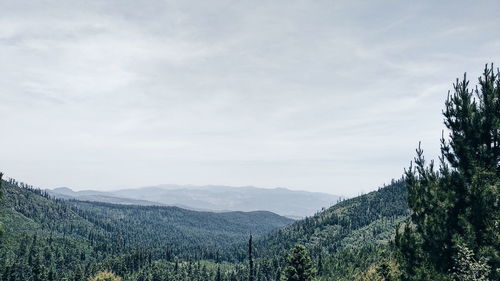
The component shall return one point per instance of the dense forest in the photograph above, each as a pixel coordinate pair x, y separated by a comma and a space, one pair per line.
70, 234
438, 222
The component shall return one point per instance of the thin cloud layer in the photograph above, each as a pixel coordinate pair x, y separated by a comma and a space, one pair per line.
328, 96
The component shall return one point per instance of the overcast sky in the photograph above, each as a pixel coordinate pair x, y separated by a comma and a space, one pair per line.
329, 96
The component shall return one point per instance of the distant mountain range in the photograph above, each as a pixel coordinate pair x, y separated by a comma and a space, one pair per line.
97, 230
282, 201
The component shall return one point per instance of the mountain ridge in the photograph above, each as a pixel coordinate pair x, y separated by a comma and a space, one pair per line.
119, 226
291, 203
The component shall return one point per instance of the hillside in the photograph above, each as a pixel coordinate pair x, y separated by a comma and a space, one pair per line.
137, 241
366, 219
96, 196
348, 237
80, 234
282, 201
156, 226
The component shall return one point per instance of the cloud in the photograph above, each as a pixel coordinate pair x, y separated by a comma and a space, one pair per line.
324, 96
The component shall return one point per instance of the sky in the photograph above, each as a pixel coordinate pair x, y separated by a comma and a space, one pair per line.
327, 96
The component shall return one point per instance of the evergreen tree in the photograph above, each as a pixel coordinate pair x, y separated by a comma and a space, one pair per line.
320, 264
218, 276
385, 270
51, 275
300, 266
251, 271
79, 275
467, 268
38, 269
457, 203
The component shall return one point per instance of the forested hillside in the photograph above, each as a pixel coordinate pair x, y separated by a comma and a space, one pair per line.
353, 223
347, 238
140, 242
67, 237
186, 233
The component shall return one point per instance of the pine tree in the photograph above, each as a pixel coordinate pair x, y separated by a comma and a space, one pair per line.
37, 269
251, 271
457, 203
218, 276
300, 266
320, 263
51, 275
467, 268
79, 275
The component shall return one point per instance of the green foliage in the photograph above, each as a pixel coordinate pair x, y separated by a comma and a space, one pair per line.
346, 239
349, 264
81, 238
299, 265
157, 243
105, 276
190, 271
251, 269
456, 205
467, 268
184, 233
386, 270
354, 223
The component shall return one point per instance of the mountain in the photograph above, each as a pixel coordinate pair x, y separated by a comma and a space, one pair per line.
282, 201
369, 218
98, 196
104, 230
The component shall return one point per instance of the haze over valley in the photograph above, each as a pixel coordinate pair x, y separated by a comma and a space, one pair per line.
282, 201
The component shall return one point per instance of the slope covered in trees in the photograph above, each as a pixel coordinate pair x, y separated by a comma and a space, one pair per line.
71, 238
186, 233
346, 239
356, 222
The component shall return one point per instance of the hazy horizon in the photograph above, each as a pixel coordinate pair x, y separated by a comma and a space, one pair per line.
182, 186
325, 96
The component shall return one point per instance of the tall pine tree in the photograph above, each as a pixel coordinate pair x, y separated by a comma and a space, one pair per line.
456, 205
300, 266
251, 271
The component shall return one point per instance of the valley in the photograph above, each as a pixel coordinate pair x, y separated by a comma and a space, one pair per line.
91, 235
